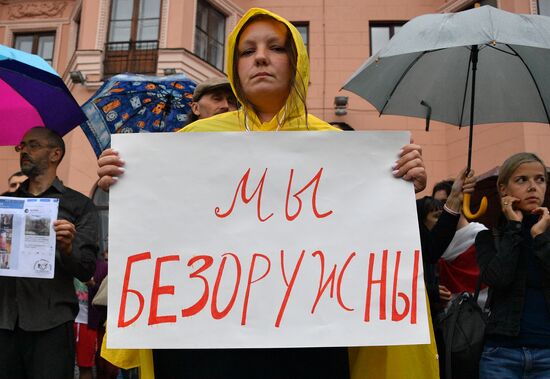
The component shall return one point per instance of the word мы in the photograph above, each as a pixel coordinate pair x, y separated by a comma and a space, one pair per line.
258, 191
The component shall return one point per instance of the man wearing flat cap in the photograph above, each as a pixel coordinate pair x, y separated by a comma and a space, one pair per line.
213, 96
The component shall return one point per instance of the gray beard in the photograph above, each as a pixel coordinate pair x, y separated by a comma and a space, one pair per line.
33, 170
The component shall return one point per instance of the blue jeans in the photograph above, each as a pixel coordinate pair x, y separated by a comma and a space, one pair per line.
514, 363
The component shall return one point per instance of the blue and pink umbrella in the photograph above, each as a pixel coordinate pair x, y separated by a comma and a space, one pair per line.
32, 94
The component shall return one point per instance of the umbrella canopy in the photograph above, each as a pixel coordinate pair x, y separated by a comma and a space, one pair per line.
429, 70
32, 94
131, 103
426, 70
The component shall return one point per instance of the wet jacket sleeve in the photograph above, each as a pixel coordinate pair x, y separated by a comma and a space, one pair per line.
81, 262
498, 265
441, 235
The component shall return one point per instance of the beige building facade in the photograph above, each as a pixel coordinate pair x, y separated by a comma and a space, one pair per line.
87, 41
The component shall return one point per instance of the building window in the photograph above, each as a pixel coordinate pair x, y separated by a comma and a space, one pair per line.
41, 44
303, 28
210, 34
544, 7
133, 37
101, 202
381, 32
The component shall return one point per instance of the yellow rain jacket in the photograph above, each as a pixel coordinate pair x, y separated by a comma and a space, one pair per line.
400, 362
396, 362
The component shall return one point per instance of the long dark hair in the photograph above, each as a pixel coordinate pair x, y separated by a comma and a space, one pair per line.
425, 206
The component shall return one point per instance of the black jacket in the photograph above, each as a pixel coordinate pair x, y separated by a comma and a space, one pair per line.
504, 270
41, 304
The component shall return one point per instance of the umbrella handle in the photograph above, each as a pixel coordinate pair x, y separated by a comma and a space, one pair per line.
466, 207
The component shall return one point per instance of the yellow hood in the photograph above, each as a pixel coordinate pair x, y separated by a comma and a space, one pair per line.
302, 72
291, 118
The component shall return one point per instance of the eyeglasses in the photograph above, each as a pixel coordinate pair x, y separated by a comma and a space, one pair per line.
32, 146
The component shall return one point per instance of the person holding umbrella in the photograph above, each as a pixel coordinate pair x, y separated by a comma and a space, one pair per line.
268, 69
515, 264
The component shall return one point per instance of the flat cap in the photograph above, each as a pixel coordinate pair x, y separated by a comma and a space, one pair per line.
210, 85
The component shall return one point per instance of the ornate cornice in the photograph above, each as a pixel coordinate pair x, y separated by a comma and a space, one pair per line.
36, 9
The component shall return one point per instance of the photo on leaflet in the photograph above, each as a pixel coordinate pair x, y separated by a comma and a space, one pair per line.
37, 226
6, 227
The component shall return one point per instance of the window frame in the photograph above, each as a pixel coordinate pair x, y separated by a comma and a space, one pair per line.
132, 55
299, 24
134, 22
379, 24
210, 7
538, 9
36, 40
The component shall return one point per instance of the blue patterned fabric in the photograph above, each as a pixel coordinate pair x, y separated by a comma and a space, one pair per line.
131, 103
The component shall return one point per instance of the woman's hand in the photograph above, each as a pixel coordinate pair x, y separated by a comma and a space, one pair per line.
410, 166
507, 206
543, 223
110, 168
462, 184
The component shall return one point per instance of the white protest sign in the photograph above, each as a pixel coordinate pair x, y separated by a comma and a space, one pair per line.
229, 240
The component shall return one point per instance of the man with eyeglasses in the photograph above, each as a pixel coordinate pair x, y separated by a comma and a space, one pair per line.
36, 315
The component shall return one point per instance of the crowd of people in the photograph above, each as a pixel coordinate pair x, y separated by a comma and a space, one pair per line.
266, 89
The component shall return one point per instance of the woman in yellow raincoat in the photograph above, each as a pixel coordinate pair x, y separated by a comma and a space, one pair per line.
268, 69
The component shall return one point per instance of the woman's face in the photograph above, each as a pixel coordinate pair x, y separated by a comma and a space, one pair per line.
431, 219
263, 64
528, 184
